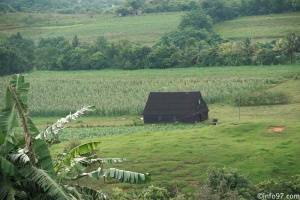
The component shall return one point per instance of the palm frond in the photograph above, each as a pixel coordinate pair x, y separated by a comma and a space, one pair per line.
128, 176
67, 159
43, 156
53, 130
121, 175
92, 193
6, 190
19, 157
8, 121
44, 181
7, 168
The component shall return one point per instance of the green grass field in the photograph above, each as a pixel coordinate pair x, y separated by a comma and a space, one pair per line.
264, 28
182, 153
146, 29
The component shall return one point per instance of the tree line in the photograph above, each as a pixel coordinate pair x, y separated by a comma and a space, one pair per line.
218, 9
192, 44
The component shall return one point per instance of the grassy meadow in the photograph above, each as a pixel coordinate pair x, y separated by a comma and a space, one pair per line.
263, 28
146, 29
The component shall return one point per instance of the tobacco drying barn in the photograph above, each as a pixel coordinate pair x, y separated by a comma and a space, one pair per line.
167, 107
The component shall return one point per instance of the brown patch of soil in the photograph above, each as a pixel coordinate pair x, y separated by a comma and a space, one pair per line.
276, 128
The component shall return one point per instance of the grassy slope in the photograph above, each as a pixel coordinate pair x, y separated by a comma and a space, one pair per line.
185, 155
146, 29
260, 28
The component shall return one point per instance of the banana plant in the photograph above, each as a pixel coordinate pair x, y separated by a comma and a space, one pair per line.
27, 170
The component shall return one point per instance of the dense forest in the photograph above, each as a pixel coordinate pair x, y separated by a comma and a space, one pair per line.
193, 43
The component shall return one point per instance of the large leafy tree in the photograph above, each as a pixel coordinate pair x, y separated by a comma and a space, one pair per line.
196, 19
16, 54
292, 45
27, 170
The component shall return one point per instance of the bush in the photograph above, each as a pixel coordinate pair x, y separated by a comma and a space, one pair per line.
228, 184
154, 192
291, 186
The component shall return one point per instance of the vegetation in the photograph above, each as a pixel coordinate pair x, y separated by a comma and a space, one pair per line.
245, 144
218, 9
27, 169
193, 44
117, 93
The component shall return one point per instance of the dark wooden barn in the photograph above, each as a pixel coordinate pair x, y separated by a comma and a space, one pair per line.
167, 107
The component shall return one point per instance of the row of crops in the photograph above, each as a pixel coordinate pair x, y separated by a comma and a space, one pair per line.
57, 95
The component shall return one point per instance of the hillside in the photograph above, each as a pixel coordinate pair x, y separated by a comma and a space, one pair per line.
264, 28
146, 29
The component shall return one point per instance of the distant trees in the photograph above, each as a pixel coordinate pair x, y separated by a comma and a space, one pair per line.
187, 46
219, 10
16, 54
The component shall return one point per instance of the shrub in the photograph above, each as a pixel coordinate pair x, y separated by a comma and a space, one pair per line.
228, 184
154, 192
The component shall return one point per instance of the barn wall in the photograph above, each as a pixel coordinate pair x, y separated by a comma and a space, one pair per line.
171, 119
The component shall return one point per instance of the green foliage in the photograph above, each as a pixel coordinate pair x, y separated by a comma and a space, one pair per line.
196, 19
16, 55
153, 192
226, 182
27, 169
291, 186
127, 91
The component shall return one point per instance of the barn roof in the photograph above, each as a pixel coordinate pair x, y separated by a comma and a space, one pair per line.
174, 103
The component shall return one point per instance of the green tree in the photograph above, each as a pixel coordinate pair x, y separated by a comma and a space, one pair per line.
135, 4
292, 45
229, 53
27, 170
49, 51
196, 19
75, 42
17, 54
247, 50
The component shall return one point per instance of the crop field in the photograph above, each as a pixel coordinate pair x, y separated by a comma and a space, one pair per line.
264, 28
117, 93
